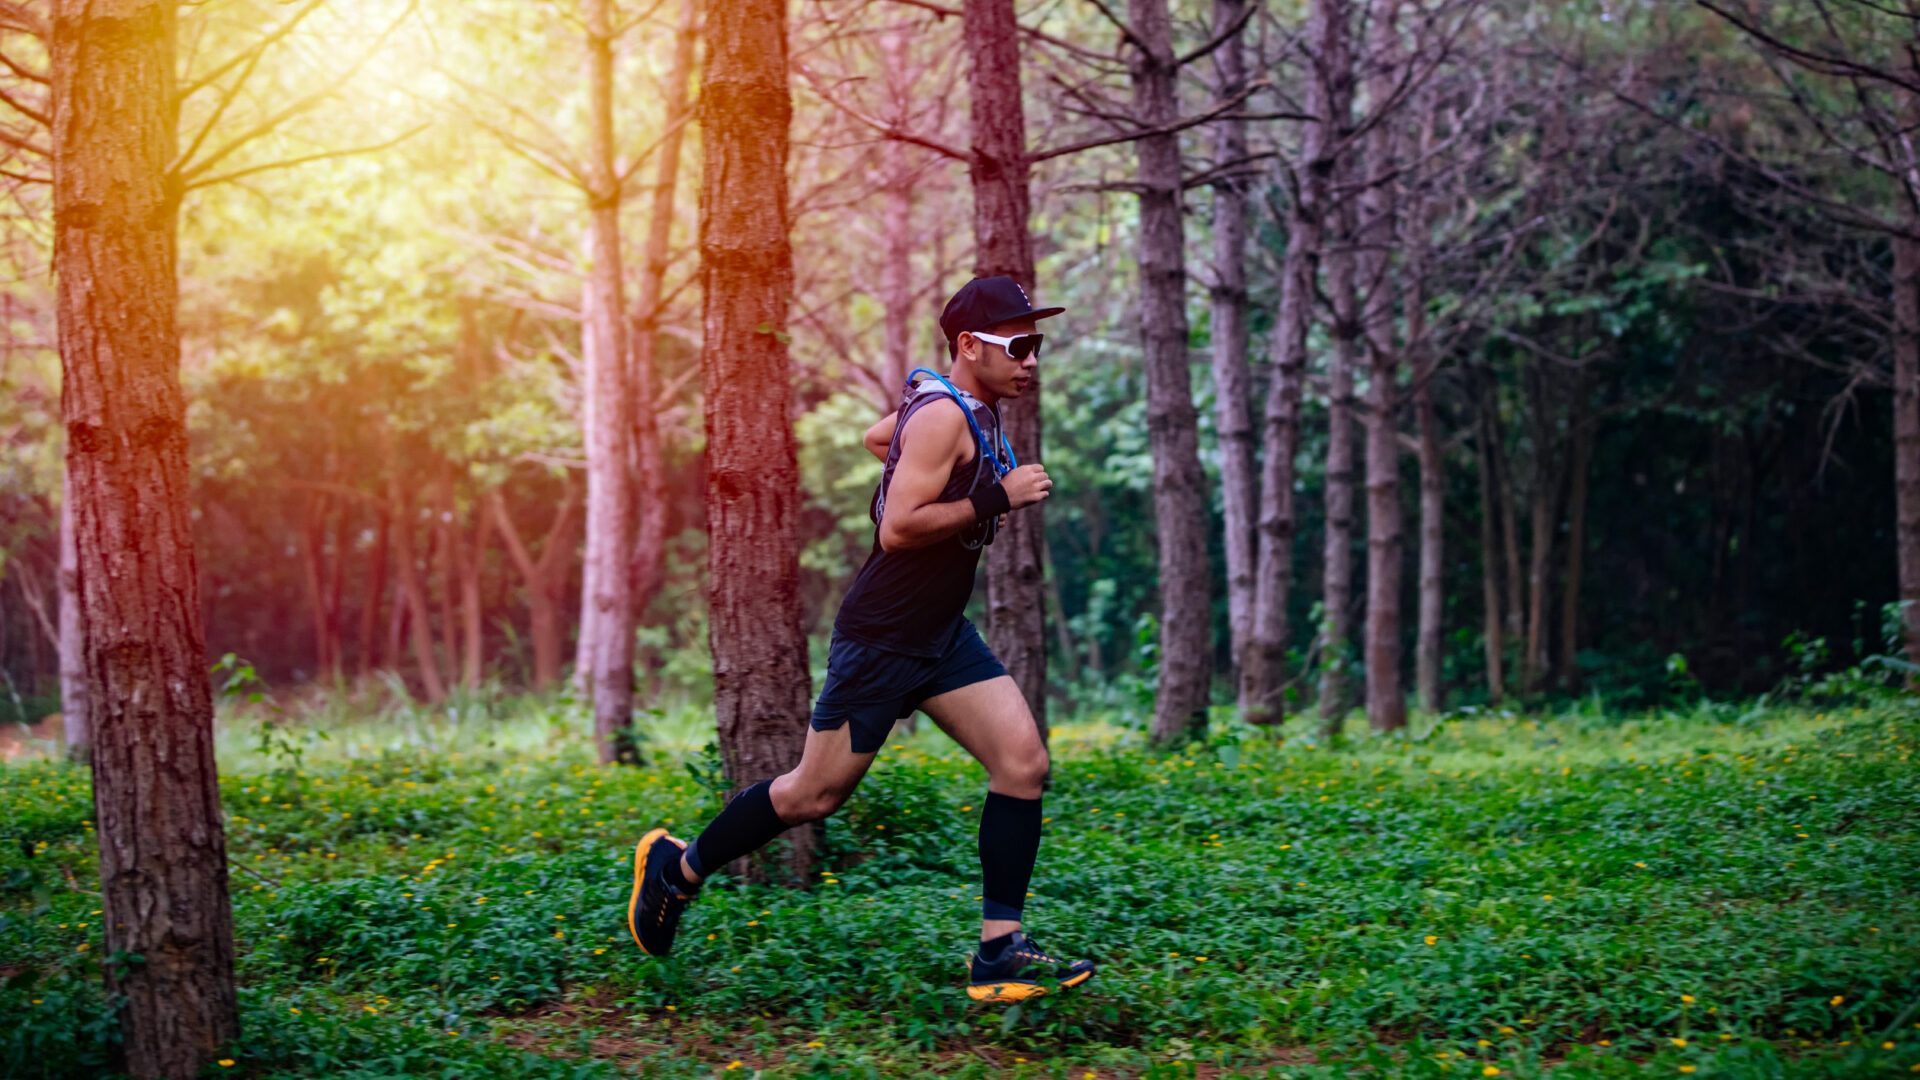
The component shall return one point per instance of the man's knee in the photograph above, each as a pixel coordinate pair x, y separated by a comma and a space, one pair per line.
813, 805
1023, 775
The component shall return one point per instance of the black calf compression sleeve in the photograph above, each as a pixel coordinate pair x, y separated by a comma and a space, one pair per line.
746, 825
1009, 843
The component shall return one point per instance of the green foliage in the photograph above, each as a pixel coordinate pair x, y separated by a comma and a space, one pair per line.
1578, 892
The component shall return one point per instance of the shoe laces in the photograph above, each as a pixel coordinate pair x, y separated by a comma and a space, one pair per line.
1028, 951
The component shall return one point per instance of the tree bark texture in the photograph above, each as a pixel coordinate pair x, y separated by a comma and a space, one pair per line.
606, 609
1232, 382
1386, 697
163, 861
1336, 589
75, 728
760, 678
1906, 433
650, 479
1002, 246
1263, 665
1179, 507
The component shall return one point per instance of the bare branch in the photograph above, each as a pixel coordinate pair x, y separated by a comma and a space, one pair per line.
22, 71
1223, 111
1247, 8
1091, 55
881, 126
187, 170
1133, 38
1813, 61
289, 163
23, 108
250, 54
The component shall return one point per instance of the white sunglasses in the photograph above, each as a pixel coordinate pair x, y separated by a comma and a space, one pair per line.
1020, 346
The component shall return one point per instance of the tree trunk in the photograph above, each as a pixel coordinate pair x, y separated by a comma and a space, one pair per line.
1232, 382
761, 683
1582, 435
471, 561
1492, 621
606, 615
540, 582
1432, 463
1263, 667
1506, 497
650, 537
411, 592
336, 572
312, 533
1336, 594
445, 555
1433, 599
1002, 246
1540, 502
1386, 697
1063, 634
76, 729
1179, 508
156, 800
1906, 433
370, 598
896, 222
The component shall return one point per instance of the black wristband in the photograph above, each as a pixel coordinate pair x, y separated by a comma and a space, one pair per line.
989, 502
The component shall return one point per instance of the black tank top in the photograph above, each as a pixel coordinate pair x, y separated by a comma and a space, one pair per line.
911, 601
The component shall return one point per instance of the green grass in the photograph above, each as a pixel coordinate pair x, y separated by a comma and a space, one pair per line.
443, 895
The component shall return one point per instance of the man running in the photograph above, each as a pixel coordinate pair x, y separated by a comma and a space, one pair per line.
901, 643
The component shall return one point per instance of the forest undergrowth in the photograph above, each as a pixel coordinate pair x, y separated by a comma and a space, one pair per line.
1725, 892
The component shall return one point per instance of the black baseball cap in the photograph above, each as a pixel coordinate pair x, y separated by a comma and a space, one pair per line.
985, 301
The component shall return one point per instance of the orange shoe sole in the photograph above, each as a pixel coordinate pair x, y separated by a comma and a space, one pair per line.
640, 852
1019, 991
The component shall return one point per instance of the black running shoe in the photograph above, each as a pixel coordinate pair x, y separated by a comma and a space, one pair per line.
653, 912
1023, 971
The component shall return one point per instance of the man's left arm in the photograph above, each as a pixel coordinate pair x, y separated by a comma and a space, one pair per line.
880, 436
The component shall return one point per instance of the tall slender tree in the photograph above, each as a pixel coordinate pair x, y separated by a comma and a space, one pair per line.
606, 608
1232, 380
1377, 238
761, 684
1003, 246
1335, 696
1328, 70
1179, 508
650, 478
163, 859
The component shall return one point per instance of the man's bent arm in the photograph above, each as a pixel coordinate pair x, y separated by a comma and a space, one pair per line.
932, 445
879, 437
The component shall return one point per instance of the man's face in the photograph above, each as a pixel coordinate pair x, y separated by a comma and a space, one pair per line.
998, 372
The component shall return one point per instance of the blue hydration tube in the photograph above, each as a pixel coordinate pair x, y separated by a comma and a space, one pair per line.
979, 436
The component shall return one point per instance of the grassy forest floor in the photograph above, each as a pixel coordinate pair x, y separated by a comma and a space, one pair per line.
1728, 892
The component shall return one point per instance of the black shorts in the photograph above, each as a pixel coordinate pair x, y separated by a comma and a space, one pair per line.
872, 687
